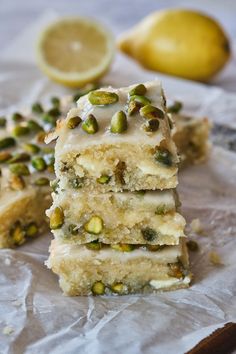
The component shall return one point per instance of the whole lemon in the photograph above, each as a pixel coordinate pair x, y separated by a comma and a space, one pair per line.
178, 42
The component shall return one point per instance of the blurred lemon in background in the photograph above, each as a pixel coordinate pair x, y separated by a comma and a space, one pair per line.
178, 42
75, 51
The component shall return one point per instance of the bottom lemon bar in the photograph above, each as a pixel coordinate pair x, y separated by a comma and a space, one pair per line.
86, 270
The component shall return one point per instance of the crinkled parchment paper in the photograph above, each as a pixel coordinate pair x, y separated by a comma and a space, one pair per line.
34, 315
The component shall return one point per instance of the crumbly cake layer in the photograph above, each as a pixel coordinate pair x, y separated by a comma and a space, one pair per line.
84, 272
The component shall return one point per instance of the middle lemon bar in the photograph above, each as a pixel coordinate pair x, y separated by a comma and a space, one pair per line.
144, 217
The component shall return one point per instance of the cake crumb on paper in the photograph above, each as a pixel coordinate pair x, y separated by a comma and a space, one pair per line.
8, 330
196, 226
215, 258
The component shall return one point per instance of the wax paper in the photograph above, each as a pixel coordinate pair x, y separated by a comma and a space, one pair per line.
34, 315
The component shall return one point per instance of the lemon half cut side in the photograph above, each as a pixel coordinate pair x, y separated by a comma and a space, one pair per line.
75, 51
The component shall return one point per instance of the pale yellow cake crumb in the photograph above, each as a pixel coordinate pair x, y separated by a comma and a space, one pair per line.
196, 226
8, 330
215, 258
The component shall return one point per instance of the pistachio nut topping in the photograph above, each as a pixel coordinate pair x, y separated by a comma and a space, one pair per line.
19, 157
49, 119
19, 169
104, 179
151, 112
39, 163
94, 245
119, 123
142, 100
164, 157
37, 108
73, 122
98, 288
34, 126
54, 185
54, 112
94, 225
123, 247
138, 90
161, 209
175, 107
149, 234
153, 248
5, 156
3, 122
7, 143
20, 130
17, 183
17, 117
119, 288
90, 124
151, 125
55, 101
101, 98
73, 230
133, 107
42, 181
17, 234
31, 229
31, 148
56, 218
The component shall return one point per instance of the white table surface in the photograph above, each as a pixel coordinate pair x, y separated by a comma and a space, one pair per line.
16, 16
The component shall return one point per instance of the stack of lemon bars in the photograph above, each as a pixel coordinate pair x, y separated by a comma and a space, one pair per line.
115, 214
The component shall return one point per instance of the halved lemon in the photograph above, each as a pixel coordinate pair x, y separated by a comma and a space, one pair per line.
75, 51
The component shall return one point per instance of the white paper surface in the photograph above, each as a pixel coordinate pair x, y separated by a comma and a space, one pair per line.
42, 320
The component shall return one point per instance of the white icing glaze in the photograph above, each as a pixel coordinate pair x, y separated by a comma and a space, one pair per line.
162, 284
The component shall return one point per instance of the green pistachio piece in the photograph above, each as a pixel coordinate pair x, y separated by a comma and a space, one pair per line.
17, 234
119, 288
7, 142
5, 156
54, 112
41, 137
101, 98
94, 225
140, 193
85, 91
55, 102
133, 107
37, 108
19, 157
176, 270
98, 288
94, 245
51, 169
3, 122
34, 126
76, 182
151, 125
73, 122
161, 209
19, 169
31, 230
164, 157
138, 90
192, 245
49, 119
104, 179
119, 123
31, 148
54, 185
175, 107
73, 229
38, 163
48, 150
151, 112
90, 124
20, 130
153, 248
142, 100
57, 218
149, 234
123, 247
17, 183
17, 117
42, 181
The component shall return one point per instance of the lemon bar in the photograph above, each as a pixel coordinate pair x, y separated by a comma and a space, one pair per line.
84, 271
117, 139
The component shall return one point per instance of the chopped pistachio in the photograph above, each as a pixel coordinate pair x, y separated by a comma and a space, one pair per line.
17, 183
41, 137
119, 123
7, 142
119, 288
57, 218
104, 179
19, 157
140, 193
192, 245
94, 245
51, 169
37, 108
72, 228
161, 209
48, 150
54, 112
151, 112
73, 122
3, 122
94, 225
19, 169
31, 148
38, 163
31, 229
90, 124
149, 234
49, 119
85, 91
138, 90
142, 100
123, 247
76, 182
17, 117
154, 248
164, 157
100, 98
42, 181
20, 130
34, 126
55, 102
175, 107
5, 156
176, 270
54, 185
17, 234
98, 288
133, 107
151, 125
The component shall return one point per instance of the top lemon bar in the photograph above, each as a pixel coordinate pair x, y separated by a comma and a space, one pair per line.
117, 139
